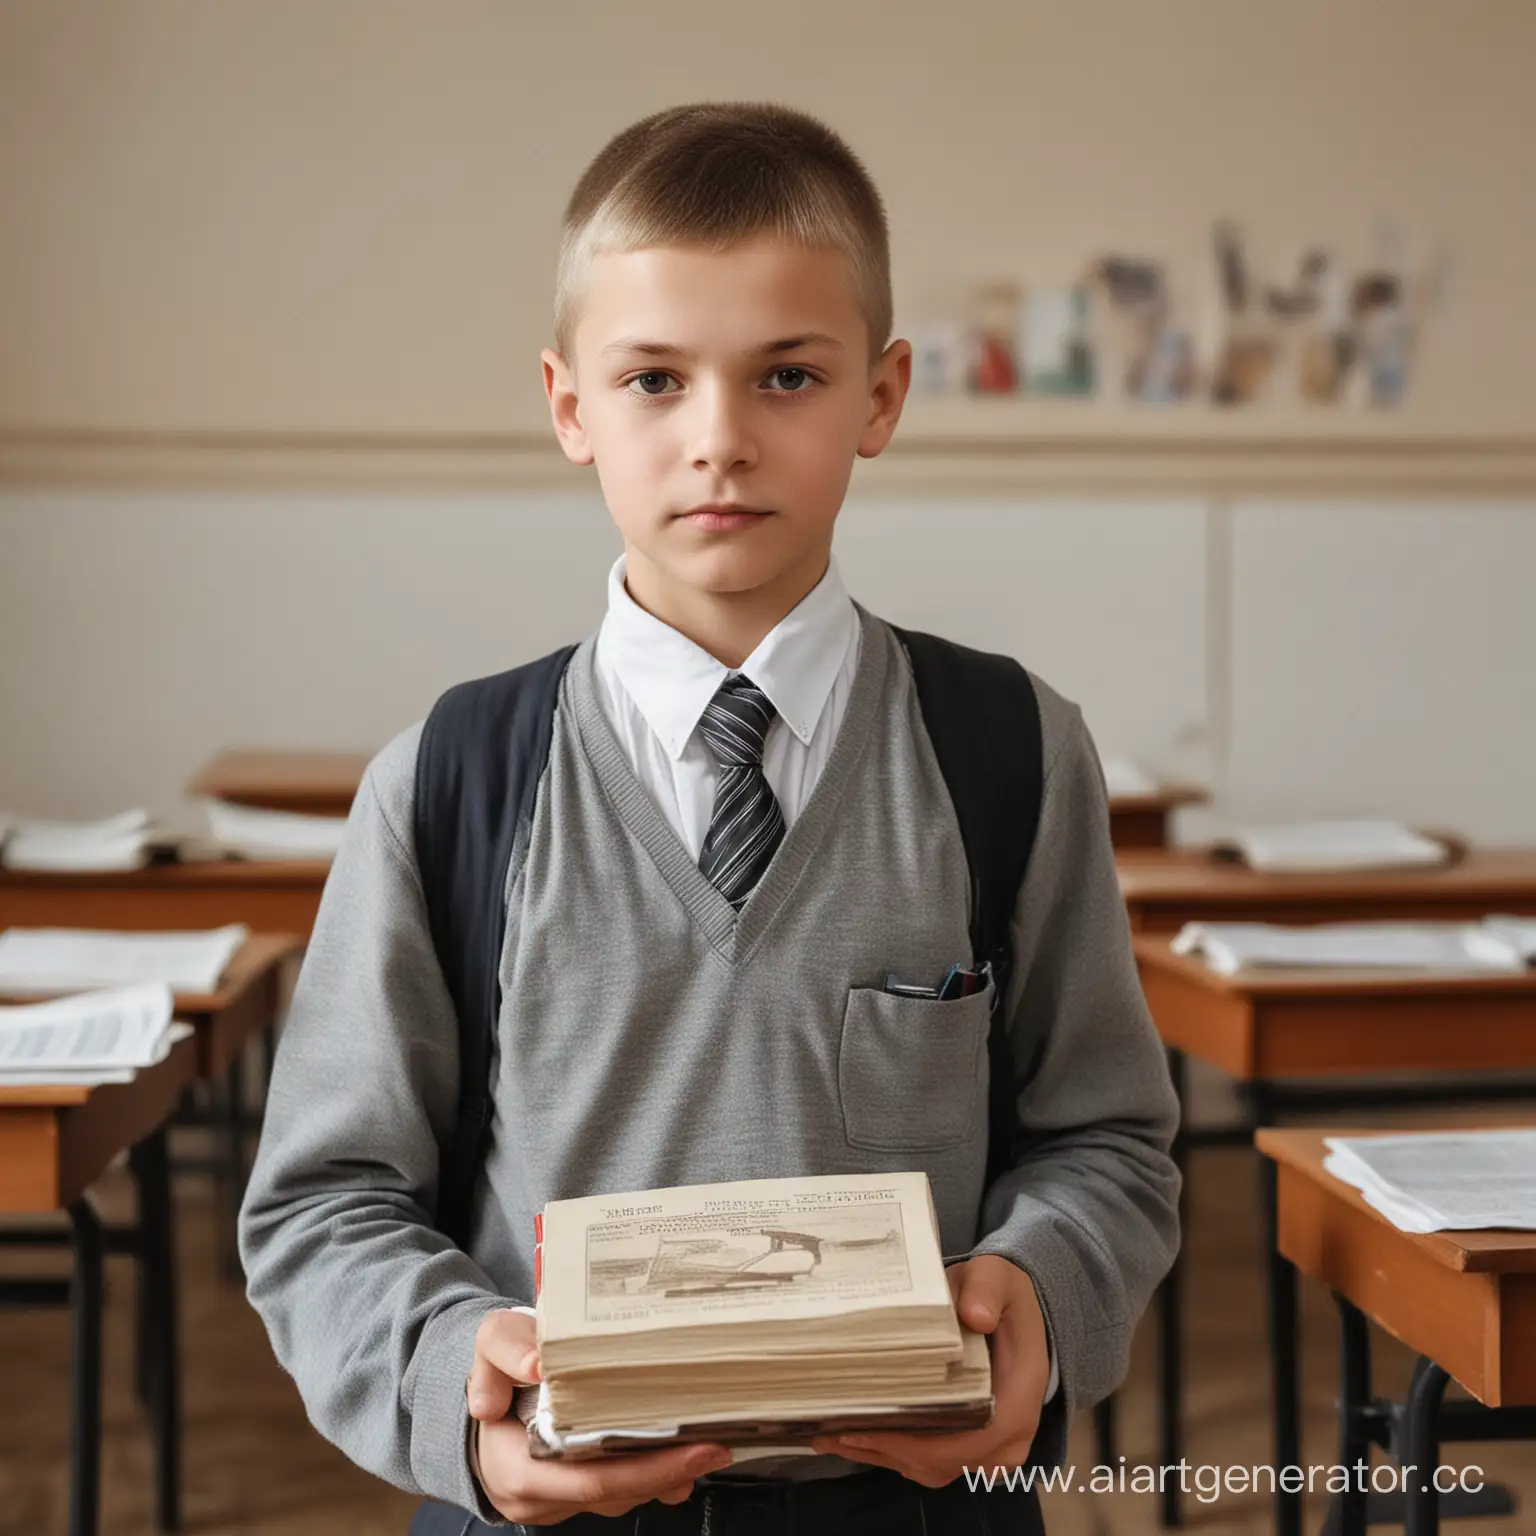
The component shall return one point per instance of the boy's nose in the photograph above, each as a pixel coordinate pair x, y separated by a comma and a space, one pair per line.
722, 435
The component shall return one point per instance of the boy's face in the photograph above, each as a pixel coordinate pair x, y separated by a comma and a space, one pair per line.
722, 397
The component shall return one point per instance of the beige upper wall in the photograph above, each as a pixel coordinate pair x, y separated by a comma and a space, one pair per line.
339, 216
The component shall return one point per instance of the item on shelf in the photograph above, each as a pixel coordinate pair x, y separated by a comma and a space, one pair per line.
994, 361
1056, 352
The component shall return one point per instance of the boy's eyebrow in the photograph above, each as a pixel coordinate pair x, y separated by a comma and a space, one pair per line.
772, 348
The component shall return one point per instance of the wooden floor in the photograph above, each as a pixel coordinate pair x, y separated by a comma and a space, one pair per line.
255, 1468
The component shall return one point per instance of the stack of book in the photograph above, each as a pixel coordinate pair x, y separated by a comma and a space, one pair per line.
764, 1311
127, 841
248, 832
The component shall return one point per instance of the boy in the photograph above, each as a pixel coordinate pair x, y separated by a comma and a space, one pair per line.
740, 831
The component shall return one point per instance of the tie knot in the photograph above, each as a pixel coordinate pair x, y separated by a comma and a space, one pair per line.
735, 723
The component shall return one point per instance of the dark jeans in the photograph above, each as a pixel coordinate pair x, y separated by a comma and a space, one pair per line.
873, 1503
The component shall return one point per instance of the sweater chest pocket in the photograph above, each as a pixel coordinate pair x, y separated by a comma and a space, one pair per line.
910, 1070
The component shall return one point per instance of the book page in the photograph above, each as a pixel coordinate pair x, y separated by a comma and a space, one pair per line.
755, 1251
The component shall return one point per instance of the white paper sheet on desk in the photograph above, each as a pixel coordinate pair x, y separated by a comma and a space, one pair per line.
1442, 1181
117, 1027
1337, 845
1445, 947
37, 960
254, 833
95, 1077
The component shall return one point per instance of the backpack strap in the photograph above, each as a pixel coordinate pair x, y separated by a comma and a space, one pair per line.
983, 718
482, 754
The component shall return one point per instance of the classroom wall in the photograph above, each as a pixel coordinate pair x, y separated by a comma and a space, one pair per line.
306, 250
1304, 656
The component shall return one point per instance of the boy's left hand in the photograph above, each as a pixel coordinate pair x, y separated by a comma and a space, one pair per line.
995, 1297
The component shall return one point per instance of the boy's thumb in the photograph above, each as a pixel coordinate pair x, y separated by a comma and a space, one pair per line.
982, 1294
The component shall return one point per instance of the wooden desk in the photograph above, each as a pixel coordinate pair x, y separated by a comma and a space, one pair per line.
1465, 1302
1260, 1026
268, 895
312, 783
1165, 889
1142, 821
1268, 1024
55, 1140
244, 1005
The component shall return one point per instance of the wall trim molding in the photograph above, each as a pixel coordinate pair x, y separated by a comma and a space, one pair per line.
922, 460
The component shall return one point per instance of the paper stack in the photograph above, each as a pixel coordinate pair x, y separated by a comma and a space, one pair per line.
248, 832
36, 960
92, 1038
126, 841
1322, 847
1442, 1181
1456, 947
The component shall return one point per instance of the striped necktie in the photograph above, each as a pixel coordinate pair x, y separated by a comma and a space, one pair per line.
747, 825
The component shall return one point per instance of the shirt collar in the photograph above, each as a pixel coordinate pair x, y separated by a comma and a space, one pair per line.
672, 680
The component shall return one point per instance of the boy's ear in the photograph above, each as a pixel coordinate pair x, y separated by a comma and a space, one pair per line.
888, 386
564, 408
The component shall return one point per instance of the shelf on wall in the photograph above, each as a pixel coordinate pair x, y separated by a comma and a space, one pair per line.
944, 446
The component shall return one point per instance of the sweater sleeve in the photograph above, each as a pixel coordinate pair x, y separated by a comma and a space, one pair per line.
369, 1308
1090, 1208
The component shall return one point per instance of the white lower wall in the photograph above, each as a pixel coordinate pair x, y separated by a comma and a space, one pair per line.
1375, 656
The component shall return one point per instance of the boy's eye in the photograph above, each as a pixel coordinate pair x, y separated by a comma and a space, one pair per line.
653, 382
791, 381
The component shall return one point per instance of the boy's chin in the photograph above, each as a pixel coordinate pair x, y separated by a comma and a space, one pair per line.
729, 572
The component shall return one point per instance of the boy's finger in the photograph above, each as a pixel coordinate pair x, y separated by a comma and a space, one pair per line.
507, 1341
505, 1354
489, 1392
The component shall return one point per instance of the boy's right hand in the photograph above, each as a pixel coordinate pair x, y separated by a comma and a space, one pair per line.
547, 1492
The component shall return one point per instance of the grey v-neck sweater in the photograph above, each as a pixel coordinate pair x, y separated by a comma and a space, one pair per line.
651, 1036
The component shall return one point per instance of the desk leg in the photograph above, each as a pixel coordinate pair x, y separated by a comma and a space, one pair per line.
161, 1345
1104, 1430
234, 1164
85, 1381
1282, 1329
1354, 1398
1170, 1355
1421, 1448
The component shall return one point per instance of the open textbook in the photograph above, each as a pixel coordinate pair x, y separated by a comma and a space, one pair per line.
1493, 945
91, 1038
1441, 1181
1322, 847
763, 1311
39, 960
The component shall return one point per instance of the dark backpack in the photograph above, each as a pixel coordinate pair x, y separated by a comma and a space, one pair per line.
482, 754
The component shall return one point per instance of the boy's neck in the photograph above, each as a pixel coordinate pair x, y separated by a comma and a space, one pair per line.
729, 625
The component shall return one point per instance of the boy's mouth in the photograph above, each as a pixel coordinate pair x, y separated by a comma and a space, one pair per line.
723, 516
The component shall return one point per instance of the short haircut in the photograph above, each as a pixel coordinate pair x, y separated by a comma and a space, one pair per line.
715, 174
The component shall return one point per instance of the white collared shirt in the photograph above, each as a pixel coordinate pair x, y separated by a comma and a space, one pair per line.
655, 683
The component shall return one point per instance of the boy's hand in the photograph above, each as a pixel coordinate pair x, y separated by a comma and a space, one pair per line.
996, 1297
547, 1492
